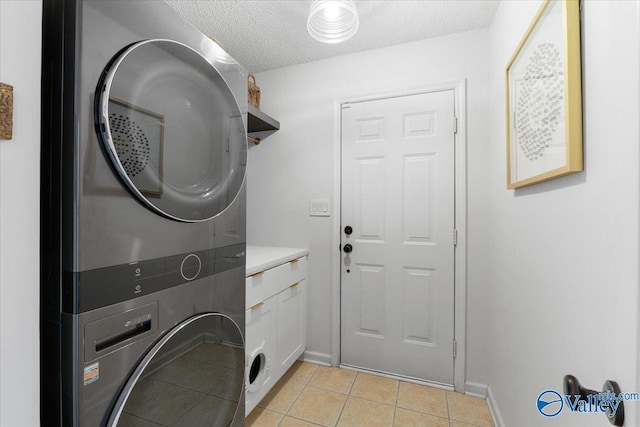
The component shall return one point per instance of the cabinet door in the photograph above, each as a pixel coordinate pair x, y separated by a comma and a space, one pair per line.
260, 349
291, 325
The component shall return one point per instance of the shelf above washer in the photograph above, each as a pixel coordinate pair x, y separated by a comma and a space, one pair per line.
260, 125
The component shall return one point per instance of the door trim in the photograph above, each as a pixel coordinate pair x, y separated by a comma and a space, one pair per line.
460, 254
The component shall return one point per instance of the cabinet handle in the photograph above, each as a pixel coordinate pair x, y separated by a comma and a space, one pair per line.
257, 306
257, 274
293, 261
294, 285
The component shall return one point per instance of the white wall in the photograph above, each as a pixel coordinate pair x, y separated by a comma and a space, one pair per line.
297, 163
20, 33
564, 254
559, 260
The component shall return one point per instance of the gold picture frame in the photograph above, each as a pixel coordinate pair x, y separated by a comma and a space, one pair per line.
544, 98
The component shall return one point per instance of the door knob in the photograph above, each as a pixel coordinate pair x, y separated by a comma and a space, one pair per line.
348, 230
347, 248
575, 390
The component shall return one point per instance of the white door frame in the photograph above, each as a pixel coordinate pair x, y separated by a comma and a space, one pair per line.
460, 256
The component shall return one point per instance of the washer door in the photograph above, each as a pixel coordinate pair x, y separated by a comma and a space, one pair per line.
192, 377
172, 129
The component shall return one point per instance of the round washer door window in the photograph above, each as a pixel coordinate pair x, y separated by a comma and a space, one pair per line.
172, 130
193, 377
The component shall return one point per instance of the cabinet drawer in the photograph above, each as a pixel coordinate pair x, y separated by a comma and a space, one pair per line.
261, 286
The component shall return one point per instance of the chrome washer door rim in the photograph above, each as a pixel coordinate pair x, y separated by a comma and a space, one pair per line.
105, 136
133, 379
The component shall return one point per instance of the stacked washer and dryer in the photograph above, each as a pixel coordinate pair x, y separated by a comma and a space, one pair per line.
143, 219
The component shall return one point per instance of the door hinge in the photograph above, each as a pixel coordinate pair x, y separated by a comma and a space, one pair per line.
455, 125
455, 237
455, 348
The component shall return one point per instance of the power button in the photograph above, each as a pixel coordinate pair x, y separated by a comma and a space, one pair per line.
190, 267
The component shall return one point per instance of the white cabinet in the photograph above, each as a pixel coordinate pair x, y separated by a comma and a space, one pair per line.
276, 322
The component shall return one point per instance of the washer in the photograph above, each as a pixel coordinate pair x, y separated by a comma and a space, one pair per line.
143, 219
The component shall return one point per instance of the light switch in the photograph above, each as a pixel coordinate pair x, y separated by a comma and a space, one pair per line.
319, 207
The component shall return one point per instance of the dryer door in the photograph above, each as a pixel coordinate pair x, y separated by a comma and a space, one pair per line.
172, 129
193, 376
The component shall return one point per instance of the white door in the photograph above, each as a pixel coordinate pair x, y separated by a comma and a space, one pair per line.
397, 282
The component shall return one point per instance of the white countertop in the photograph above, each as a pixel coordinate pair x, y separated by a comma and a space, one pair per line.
260, 258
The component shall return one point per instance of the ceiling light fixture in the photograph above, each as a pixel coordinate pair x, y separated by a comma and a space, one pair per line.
332, 21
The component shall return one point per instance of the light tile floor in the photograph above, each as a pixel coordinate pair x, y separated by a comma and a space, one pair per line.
312, 395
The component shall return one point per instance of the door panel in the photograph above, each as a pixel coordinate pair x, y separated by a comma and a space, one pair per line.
417, 203
370, 218
371, 290
398, 195
417, 304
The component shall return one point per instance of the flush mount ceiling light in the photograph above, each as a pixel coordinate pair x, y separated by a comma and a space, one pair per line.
332, 21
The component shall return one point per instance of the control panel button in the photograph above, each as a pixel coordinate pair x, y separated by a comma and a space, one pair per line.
190, 267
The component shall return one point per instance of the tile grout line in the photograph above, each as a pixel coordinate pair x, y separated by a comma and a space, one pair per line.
342, 410
395, 406
301, 419
393, 420
287, 381
353, 383
367, 399
470, 423
344, 405
286, 412
349, 395
427, 414
304, 387
281, 419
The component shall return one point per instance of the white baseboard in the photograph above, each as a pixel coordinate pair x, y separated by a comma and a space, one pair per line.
493, 407
318, 358
475, 389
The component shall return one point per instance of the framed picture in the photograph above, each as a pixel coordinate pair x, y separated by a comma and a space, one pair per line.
138, 136
544, 98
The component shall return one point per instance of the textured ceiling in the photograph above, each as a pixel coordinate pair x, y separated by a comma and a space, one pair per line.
268, 34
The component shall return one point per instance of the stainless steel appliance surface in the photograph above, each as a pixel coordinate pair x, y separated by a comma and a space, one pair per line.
142, 217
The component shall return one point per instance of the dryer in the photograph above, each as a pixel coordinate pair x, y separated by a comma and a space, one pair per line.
143, 219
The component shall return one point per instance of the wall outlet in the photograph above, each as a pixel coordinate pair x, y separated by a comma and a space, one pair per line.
319, 207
